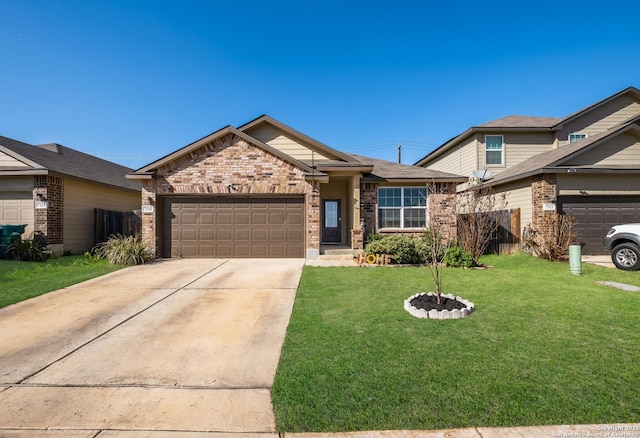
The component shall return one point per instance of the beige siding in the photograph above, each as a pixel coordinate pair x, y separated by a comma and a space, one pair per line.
517, 148
459, 160
594, 184
275, 138
602, 118
519, 195
623, 150
7, 161
80, 200
16, 208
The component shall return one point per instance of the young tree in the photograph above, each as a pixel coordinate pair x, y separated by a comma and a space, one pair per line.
441, 229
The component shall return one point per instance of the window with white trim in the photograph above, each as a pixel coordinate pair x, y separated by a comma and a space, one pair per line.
402, 207
576, 137
494, 150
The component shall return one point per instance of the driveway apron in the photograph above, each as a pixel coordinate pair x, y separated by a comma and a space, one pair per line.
187, 345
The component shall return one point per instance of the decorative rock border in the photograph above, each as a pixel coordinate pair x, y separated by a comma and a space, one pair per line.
439, 314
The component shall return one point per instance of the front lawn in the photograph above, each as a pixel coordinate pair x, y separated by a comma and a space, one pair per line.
543, 347
23, 280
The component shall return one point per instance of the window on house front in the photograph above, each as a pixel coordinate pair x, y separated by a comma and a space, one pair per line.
402, 207
576, 137
494, 149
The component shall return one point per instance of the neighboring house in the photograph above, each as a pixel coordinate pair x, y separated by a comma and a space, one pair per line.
266, 190
55, 189
586, 165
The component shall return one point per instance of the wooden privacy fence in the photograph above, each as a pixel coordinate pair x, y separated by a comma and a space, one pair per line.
506, 238
110, 222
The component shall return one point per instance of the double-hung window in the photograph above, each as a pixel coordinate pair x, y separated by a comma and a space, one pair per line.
494, 150
402, 207
576, 137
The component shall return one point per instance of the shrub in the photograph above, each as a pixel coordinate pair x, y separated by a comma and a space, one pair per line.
552, 238
33, 249
125, 250
404, 249
457, 257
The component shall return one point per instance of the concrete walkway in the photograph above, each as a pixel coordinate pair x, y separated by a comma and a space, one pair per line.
177, 346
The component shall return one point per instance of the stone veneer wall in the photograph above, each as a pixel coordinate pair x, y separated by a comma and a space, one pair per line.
544, 189
233, 167
49, 220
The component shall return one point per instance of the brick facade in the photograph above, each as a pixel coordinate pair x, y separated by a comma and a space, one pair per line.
442, 208
49, 220
230, 166
544, 190
368, 208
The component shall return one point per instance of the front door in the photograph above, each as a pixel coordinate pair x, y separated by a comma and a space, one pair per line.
331, 221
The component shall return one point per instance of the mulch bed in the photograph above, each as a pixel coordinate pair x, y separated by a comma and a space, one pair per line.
430, 302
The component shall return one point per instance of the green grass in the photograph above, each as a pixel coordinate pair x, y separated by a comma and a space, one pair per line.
543, 347
20, 281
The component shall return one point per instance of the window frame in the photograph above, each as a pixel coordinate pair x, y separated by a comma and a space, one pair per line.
402, 209
501, 150
584, 135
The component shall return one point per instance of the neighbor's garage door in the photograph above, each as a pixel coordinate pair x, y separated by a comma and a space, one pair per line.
233, 227
16, 208
596, 214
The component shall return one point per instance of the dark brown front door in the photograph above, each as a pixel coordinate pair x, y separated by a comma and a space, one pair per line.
331, 221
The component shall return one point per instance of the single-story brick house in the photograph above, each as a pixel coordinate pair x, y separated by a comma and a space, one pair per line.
55, 190
266, 190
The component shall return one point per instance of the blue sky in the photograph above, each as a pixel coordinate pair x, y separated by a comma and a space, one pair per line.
134, 80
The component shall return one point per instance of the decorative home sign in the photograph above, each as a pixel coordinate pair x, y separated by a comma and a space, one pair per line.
42, 204
549, 207
147, 208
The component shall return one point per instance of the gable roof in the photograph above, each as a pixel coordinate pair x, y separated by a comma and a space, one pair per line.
554, 159
149, 168
373, 169
315, 144
59, 160
524, 123
630, 90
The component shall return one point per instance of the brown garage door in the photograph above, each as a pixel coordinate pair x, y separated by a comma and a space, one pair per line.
596, 214
233, 227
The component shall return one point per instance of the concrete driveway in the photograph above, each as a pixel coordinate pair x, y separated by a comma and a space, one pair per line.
187, 345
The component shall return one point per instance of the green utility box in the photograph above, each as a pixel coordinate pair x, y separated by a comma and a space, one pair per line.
8, 235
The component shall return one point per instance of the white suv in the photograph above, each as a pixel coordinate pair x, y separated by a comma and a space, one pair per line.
624, 243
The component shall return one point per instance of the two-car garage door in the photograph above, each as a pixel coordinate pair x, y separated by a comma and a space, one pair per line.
233, 227
596, 214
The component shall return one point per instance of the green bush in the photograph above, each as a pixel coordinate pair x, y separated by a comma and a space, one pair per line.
404, 249
124, 250
456, 257
33, 249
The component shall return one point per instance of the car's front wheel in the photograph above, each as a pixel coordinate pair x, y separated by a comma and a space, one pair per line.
626, 256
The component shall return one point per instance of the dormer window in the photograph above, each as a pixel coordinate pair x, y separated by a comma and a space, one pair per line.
494, 150
576, 137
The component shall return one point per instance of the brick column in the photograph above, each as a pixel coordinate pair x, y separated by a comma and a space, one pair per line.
442, 211
368, 206
49, 220
544, 191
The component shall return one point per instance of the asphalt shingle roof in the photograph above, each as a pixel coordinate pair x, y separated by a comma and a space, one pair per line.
70, 162
389, 170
